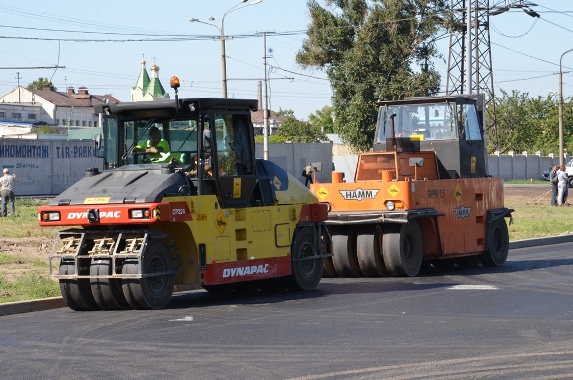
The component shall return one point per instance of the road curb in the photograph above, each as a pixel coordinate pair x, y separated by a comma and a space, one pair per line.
20, 307
541, 241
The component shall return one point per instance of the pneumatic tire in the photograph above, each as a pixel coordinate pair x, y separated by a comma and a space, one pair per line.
497, 244
402, 248
153, 292
306, 273
76, 292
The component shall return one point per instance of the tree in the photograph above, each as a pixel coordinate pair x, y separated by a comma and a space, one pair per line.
531, 124
368, 49
40, 83
323, 119
46, 129
295, 130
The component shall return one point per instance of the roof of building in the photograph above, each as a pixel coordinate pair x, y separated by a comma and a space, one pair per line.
143, 79
257, 117
70, 98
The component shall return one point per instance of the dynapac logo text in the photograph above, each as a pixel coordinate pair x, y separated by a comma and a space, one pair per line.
102, 214
243, 271
358, 194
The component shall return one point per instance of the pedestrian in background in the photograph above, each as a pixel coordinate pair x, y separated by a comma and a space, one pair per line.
7, 182
307, 173
562, 186
553, 180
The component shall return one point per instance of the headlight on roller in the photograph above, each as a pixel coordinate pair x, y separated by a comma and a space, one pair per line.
50, 216
390, 205
140, 213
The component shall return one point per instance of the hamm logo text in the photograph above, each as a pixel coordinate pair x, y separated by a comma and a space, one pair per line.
358, 194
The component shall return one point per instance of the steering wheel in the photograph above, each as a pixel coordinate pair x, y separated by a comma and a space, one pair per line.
145, 159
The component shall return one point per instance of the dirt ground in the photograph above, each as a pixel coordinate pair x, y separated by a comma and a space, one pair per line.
524, 194
29, 252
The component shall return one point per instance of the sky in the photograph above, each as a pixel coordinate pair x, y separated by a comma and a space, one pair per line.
101, 44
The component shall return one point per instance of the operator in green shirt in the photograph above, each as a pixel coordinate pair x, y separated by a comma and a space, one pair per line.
157, 148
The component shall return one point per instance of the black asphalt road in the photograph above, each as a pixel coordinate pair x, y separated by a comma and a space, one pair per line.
513, 322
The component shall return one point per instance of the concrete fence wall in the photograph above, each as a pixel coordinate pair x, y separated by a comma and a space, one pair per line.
48, 167
520, 166
294, 157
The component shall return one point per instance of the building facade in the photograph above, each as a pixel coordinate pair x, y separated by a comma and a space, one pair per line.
64, 109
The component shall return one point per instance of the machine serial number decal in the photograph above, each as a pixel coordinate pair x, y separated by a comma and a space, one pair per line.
92, 201
358, 194
201, 216
243, 271
439, 193
178, 211
463, 212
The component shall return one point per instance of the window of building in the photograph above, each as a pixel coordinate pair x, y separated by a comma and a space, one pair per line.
16, 115
83, 123
95, 124
89, 123
77, 123
2, 114
31, 116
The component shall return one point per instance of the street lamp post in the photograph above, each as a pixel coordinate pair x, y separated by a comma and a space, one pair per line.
561, 161
221, 28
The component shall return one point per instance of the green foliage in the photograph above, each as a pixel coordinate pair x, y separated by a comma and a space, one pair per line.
369, 50
45, 129
40, 83
530, 124
323, 119
273, 139
298, 131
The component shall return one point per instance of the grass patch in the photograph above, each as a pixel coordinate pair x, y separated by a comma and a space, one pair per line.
538, 220
25, 223
31, 285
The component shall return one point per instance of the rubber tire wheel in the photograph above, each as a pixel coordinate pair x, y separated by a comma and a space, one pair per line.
329, 269
150, 292
344, 254
402, 248
570, 182
368, 253
497, 248
76, 293
306, 274
107, 292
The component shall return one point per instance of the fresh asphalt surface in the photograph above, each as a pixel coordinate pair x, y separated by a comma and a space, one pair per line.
512, 322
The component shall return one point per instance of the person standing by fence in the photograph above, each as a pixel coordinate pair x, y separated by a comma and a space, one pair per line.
7, 182
553, 181
562, 186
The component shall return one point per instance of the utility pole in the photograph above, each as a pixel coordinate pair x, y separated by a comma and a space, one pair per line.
265, 103
18, 78
474, 75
